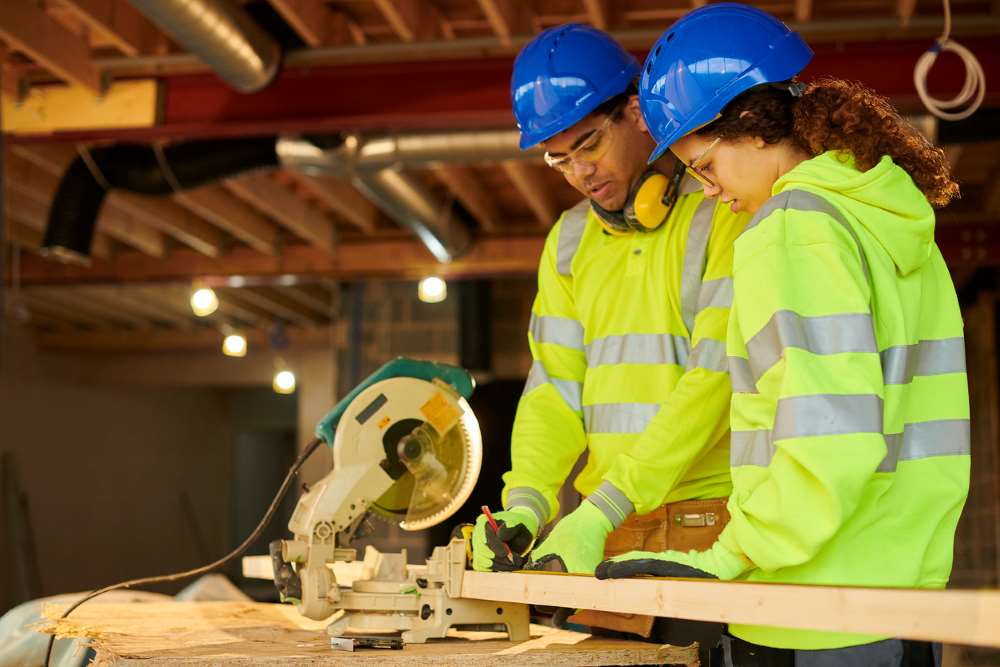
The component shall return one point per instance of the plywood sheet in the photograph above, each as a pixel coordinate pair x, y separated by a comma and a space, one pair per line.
236, 633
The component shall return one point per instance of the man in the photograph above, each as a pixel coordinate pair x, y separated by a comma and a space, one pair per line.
627, 331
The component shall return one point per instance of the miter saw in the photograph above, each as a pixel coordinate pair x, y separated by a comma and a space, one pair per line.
406, 447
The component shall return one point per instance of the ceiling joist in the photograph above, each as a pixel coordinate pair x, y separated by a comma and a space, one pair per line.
341, 198
130, 32
464, 184
217, 206
533, 191
275, 200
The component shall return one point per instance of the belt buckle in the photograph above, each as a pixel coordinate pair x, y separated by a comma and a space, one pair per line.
696, 520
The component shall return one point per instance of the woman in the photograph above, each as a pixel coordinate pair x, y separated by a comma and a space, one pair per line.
850, 432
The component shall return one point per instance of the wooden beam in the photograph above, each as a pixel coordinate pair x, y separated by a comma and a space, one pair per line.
132, 301
29, 211
904, 10
217, 206
340, 197
71, 312
950, 616
803, 10
25, 26
501, 15
463, 184
73, 298
162, 341
314, 296
131, 32
597, 13
178, 299
411, 20
532, 190
275, 200
21, 234
170, 218
316, 23
271, 300
399, 259
62, 108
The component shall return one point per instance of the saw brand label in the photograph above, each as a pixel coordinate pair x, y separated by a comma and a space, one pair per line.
440, 412
372, 408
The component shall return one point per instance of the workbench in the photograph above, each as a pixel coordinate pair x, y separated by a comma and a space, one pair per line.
225, 634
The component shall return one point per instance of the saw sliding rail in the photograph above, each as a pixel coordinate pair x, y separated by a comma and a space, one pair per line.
948, 616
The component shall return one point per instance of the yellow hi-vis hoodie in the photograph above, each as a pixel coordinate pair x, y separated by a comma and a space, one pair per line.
850, 416
628, 339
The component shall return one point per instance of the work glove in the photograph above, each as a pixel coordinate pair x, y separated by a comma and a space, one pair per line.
576, 544
516, 527
715, 563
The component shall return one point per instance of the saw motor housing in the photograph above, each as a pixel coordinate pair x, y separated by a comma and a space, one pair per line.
409, 450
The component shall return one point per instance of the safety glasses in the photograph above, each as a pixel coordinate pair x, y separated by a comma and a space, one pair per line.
695, 168
590, 151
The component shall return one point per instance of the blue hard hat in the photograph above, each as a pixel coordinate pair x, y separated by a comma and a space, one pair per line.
706, 59
562, 75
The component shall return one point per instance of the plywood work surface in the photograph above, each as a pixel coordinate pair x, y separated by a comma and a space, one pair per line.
239, 633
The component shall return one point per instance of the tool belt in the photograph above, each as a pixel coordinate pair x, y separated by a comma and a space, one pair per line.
680, 526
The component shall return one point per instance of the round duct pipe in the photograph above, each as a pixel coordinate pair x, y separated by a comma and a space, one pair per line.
221, 35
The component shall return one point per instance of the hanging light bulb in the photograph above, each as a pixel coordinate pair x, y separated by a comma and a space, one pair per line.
432, 290
234, 345
284, 382
203, 301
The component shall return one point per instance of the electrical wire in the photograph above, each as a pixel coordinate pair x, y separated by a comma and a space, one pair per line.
974, 88
282, 490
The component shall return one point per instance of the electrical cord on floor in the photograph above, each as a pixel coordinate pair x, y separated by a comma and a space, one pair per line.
306, 453
974, 87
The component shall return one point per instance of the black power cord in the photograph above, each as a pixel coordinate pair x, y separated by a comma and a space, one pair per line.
306, 453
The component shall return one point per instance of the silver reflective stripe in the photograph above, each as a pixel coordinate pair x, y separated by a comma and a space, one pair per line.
618, 417
716, 293
802, 200
741, 376
563, 331
827, 334
827, 414
902, 363
610, 500
694, 260
571, 230
570, 390
525, 496
946, 437
708, 354
637, 349
921, 440
750, 448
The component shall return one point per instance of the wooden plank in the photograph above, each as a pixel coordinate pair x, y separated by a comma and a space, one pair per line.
597, 13
132, 302
56, 108
25, 26
244, 633
268, 299
74, 301
342, 198
951, 616
131, 32
166, 340
411, 20
32, 213
400, 259
904, 10
501, 16
316, 23
214, 204
463, 184
275, 200
803, 10
170, 218
537, 197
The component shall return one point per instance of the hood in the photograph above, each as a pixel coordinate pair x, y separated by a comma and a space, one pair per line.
884, 200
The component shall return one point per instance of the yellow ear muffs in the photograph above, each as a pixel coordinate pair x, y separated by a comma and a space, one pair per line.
649, 209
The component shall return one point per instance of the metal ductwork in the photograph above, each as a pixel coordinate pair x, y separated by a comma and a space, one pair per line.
221, 35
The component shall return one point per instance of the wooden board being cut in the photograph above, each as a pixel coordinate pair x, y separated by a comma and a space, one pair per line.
226, 634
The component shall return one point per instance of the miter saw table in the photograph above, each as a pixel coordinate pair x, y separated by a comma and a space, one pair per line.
406, 448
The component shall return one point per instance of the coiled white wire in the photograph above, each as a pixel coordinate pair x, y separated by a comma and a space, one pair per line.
973, 89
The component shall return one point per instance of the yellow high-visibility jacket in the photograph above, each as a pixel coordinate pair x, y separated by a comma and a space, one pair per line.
850, 418
628, 338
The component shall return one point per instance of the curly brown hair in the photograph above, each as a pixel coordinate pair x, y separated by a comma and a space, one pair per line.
833, 114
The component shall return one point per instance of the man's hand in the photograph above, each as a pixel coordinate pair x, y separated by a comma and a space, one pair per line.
716, 563
576, 544
517, 527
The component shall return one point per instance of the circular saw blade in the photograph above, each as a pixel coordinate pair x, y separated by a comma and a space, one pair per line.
460, 451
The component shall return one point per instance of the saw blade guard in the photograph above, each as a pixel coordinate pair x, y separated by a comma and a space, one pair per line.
430, 441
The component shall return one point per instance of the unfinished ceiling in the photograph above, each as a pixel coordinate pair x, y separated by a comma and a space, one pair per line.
277, 241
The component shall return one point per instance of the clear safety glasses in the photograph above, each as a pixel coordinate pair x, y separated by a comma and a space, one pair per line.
590, 151
695, 168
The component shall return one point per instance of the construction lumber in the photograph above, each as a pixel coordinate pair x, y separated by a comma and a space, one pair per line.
221, 634
46, 109
951, 616
26, 27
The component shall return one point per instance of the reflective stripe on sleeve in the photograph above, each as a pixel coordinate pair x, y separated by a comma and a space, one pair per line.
619, 417
570, 390
563, 331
